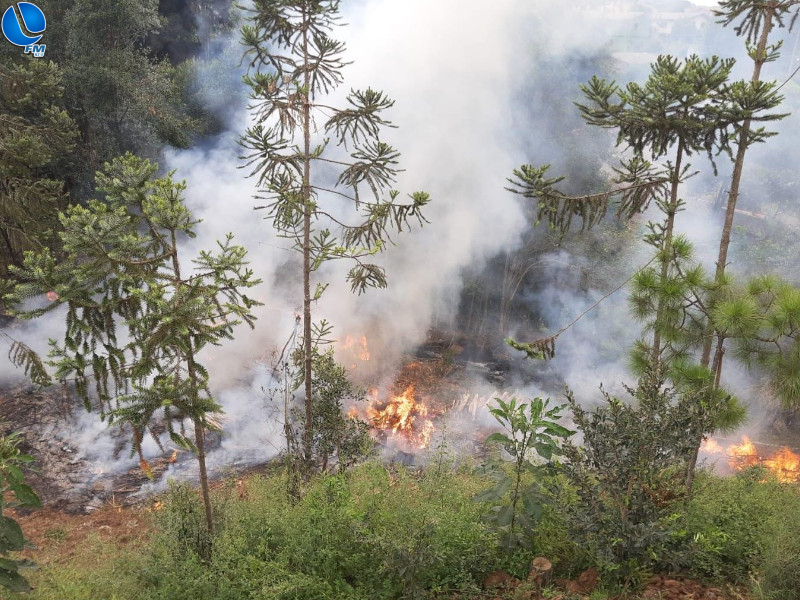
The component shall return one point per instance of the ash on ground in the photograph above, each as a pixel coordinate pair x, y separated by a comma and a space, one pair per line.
62, 475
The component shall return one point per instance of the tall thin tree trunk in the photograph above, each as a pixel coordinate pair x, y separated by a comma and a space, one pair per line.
733, 193
199, 441
667, 248
505, 301
199, 433
692, 469
725, 239
307, 345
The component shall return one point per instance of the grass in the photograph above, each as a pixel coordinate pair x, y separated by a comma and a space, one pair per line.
384, 533
747, 529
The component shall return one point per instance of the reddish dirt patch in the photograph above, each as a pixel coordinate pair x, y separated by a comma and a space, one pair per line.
59, 536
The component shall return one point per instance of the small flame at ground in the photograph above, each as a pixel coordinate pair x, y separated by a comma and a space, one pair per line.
743, 455
357, 347
784, 463
403, 418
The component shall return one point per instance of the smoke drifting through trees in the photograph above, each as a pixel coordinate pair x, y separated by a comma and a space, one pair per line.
475, 96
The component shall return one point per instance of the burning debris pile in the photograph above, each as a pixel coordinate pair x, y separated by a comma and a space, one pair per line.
407, 413
784, 463
402, 415
402, 419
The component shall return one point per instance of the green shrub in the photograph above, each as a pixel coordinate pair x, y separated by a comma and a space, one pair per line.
779, 576
99, 569
370, 533
747, 528
629, 479
182, 521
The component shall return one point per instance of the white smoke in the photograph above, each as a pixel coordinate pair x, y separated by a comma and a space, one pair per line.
466, 77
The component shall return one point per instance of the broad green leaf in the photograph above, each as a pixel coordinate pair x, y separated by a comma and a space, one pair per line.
13, 581
536, 511
533, 501
14, 474
499, 438
494, 493
556, 429
544, 450
11, 537
505, 516
8, 564
25, 495
525, 521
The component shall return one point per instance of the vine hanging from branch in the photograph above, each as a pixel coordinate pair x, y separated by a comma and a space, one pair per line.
545, 348
636, 181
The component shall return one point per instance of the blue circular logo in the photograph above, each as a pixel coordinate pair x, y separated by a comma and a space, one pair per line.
32, 17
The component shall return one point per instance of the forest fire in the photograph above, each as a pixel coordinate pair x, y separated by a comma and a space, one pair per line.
402, 418
356, 348
784, 463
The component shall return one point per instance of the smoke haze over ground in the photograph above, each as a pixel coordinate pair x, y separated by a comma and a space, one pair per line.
467, 78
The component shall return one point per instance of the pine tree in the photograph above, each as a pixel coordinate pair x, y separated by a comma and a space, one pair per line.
763, 320
294, 65
36, 139
137, 318
683, 108
748, 102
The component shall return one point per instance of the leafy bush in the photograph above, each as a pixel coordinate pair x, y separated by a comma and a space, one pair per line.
630, 479
380, 533
370, 533
183, 519
14, 493
747, 527
531, 428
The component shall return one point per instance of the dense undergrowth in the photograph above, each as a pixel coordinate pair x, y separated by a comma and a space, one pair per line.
389, 532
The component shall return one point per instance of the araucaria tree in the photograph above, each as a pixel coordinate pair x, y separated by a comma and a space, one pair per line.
316, 163
137, 317
748, 101
674, 114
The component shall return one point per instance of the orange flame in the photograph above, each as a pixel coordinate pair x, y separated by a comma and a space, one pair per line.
145, 467
403, 417
784, 463
363, 352
356, 349
359, 347
743, 455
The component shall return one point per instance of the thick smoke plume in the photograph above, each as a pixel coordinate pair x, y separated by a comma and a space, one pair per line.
473, 84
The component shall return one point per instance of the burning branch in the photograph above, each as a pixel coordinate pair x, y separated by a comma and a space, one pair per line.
403, 417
